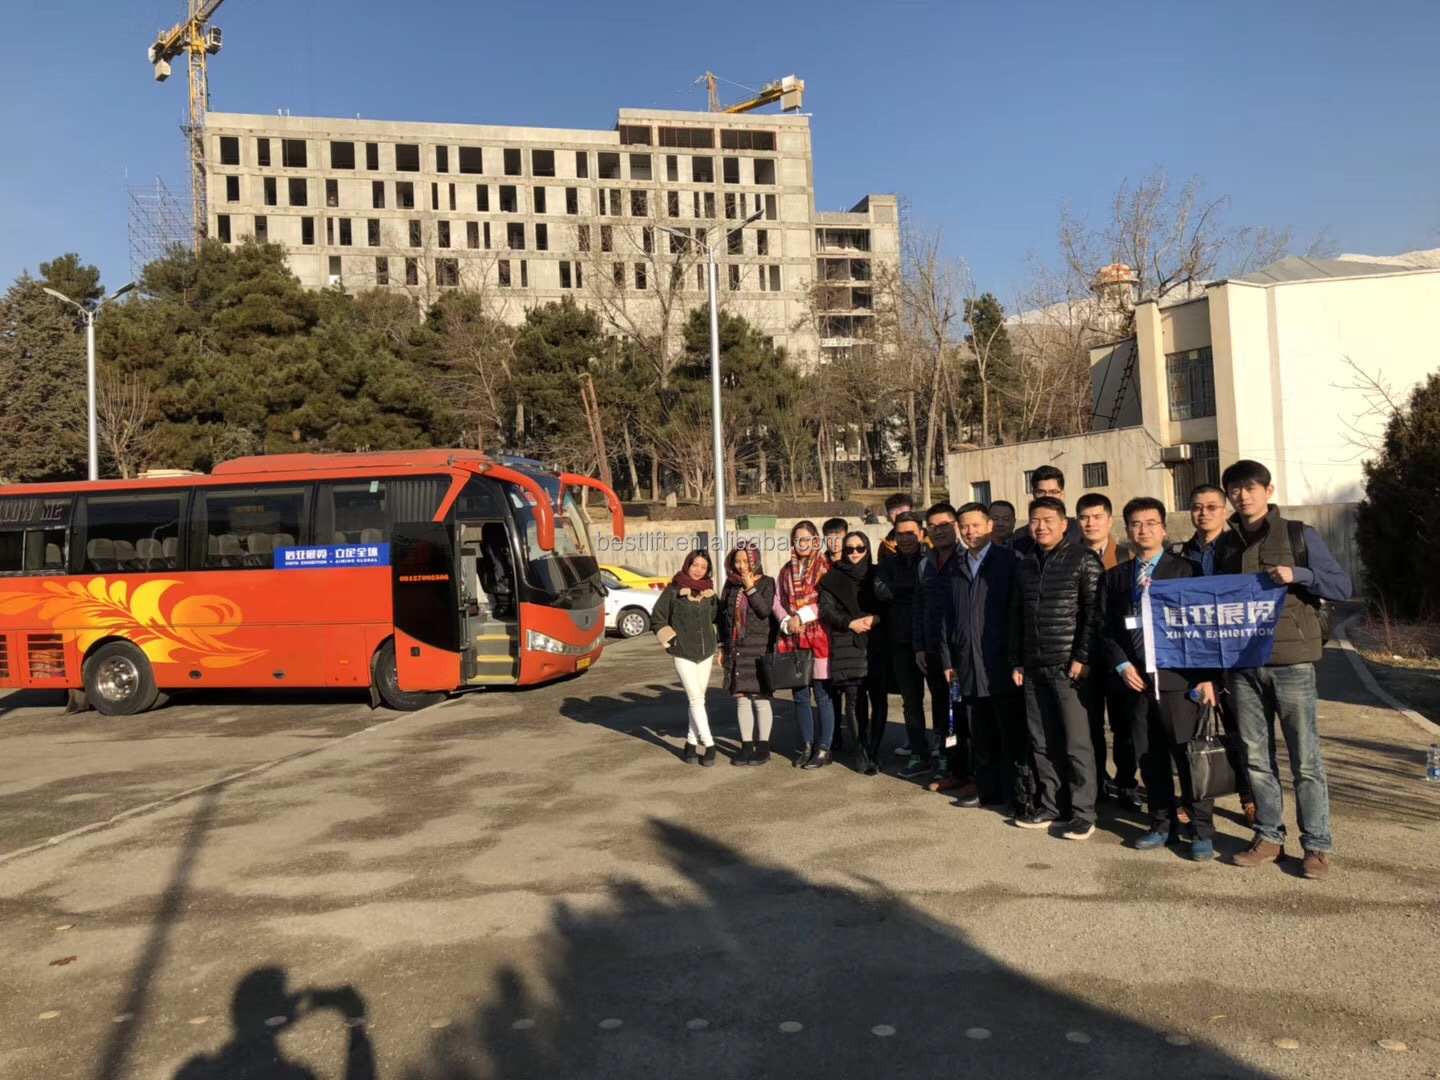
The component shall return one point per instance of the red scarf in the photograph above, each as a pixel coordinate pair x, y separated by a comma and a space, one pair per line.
800, 587
683, 580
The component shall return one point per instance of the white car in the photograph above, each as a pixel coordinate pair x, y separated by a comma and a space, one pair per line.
627, 611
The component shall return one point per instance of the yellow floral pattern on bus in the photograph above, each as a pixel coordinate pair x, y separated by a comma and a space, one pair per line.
191, 631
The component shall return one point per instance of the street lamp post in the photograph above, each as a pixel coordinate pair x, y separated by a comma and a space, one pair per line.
88, 313
717, 437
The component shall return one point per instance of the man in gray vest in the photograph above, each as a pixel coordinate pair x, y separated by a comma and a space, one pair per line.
1259, 540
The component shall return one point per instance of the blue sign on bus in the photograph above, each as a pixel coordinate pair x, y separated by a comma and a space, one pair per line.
307, 558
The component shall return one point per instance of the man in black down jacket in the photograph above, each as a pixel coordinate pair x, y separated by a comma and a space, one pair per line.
896, 579
932, 610
1052, 641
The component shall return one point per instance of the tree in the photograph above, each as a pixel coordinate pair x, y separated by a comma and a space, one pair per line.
42, 366
70, 277
123, 421
1399, 518
989, 344
554, 349
933, 290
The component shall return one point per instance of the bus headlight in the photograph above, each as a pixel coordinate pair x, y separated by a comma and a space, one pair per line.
535, 641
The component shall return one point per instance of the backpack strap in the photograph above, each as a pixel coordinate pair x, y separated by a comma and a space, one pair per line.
1299, 549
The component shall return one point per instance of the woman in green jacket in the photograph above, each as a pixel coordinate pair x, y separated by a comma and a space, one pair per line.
684, 623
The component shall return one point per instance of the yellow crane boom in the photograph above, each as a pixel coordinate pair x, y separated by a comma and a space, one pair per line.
789, 91
196, 38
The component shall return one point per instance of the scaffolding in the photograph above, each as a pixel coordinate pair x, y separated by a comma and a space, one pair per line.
159, 223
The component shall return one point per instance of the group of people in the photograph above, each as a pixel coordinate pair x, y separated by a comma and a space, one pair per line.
1027, 641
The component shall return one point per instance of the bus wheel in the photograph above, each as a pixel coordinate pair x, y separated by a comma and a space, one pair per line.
119, 680
387, 684
632, 622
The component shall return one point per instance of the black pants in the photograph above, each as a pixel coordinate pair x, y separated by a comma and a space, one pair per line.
873, 707
849, 704
957, 757
1169, 724
1060, 735
998, 741
1096, 694
910, 681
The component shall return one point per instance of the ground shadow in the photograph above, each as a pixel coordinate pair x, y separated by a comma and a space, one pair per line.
260, 1011
711, 977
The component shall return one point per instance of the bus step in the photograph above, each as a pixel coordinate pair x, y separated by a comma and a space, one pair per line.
492, 680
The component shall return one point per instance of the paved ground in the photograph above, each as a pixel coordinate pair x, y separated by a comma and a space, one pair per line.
531, 884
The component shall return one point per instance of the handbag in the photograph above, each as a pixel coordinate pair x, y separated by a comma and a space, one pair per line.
792, 670
1210, 756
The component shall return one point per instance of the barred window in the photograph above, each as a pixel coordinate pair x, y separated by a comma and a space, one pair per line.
1191, 379
1097, 474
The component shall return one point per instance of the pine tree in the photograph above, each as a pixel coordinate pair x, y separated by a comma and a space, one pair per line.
42, 366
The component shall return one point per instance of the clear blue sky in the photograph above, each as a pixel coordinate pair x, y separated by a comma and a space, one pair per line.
988, 115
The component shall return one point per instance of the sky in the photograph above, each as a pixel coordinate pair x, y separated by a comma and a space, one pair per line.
989, 116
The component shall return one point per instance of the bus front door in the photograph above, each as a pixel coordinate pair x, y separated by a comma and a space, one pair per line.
428, 649
492, 628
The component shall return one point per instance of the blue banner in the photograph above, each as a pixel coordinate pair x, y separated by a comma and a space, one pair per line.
309, 558
1225, 621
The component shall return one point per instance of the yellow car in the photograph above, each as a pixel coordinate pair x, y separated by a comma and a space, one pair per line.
628, 577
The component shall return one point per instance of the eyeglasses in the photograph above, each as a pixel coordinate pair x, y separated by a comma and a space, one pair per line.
853, 549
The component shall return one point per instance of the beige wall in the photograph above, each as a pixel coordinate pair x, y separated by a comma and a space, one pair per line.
1131, 455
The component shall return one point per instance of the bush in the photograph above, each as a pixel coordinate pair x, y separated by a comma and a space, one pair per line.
1398, 528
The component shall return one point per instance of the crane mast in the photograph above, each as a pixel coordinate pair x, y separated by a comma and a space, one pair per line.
195, 38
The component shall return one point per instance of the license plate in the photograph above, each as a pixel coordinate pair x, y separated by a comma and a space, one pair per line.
582, 663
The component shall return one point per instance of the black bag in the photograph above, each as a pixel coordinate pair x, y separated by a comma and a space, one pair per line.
1210, 755
792, 670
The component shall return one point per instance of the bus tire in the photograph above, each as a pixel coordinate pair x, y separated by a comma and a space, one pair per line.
387, 684
632, 622
119, 680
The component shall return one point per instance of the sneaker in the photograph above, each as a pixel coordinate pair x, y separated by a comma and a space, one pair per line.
916, 766
945, 782
1151, 840
1202, 850
1132, 798
903, 751
1259, 851
1077, 830
1317, 865
968, 796
1107, 790
1039, 819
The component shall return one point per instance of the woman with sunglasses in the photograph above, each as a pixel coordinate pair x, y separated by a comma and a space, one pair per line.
684, 623
747, 635
847, 608
797, 608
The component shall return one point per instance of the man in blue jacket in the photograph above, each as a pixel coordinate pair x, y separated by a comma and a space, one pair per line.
977, 661
1291, 553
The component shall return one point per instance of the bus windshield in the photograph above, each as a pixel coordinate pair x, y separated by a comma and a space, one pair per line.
572, 561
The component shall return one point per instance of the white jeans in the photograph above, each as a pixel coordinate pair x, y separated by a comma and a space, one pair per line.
695, 677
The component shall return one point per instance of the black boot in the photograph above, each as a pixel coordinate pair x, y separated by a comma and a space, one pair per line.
762, 752
803, 757
746, 755
690, 756
820, 760
707, 756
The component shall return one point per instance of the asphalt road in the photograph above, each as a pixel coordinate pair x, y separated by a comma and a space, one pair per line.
532, 884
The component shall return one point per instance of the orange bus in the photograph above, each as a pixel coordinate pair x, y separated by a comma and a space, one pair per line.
415, 574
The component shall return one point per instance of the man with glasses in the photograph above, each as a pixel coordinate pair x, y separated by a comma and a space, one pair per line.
896, 581
1162, 715
933, 599
1047, 482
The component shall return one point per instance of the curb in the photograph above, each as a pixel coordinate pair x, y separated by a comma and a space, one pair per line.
1342, 638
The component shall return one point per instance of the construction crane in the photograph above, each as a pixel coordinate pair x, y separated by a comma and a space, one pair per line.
200, 40
788, 91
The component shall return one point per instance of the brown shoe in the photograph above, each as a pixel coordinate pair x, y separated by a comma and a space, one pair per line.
1317, 865
1258, 852
945, 783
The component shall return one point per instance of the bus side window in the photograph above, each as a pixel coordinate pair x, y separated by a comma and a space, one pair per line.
12, 551
244, 526
360, 512
127, 533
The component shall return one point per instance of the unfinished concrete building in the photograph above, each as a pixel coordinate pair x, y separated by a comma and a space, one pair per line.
530, 215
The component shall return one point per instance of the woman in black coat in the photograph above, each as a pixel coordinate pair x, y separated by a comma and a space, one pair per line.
747, 634
847, 608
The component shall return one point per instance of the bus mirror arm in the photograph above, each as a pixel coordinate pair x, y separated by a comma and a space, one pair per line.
617, 514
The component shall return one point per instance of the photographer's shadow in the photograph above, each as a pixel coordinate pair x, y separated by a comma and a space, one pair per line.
260, 1012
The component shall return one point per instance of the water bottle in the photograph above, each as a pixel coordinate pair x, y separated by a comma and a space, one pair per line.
1432, 764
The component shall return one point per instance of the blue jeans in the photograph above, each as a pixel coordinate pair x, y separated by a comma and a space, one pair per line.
1287, 694
804, 717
